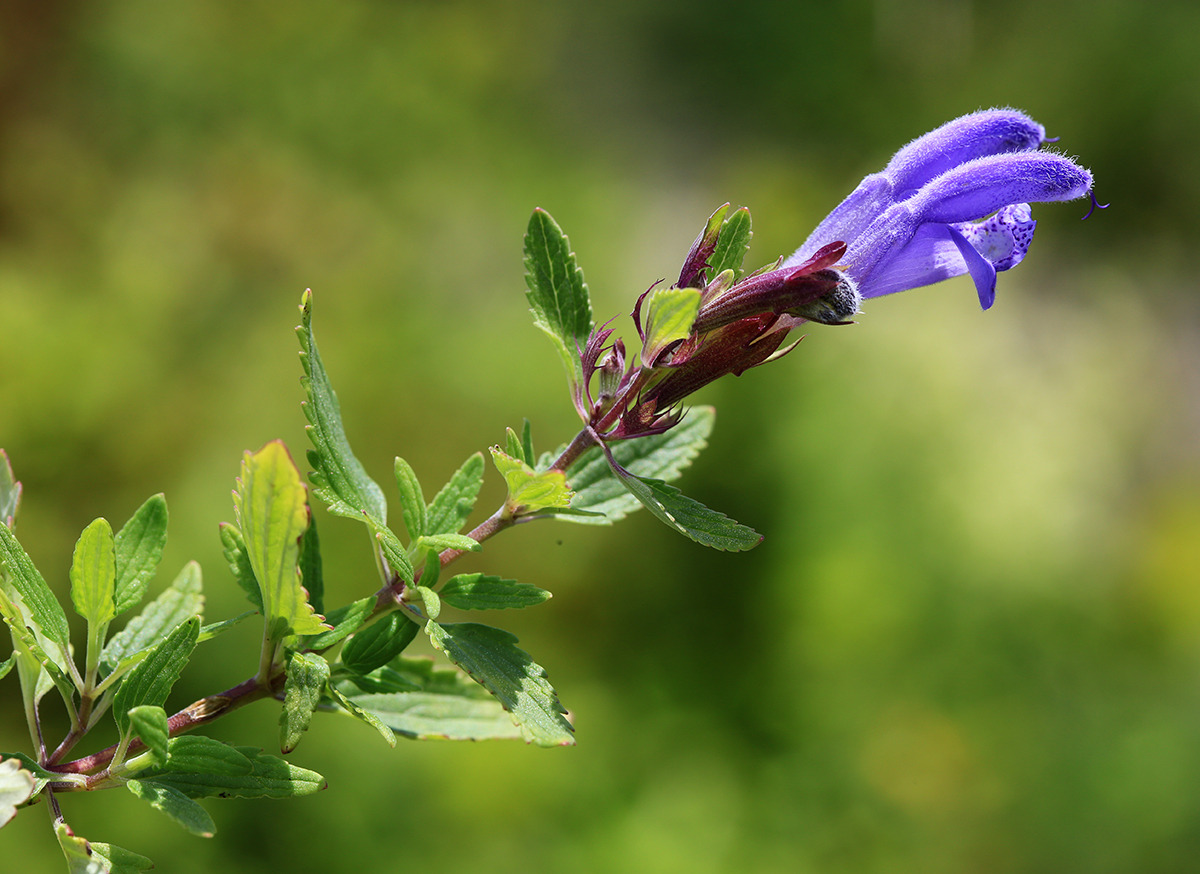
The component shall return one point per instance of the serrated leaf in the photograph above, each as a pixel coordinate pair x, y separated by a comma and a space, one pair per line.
661, 456
93, 574
690, 518
669, 314
16, 787
18, 573
732, 245
178, 602
338, 477
490, 656
151, 681
10, 493
530, 492
452, 506
149, 722
201, 767
186, 812
272, 511
7, 665
378, 644
234, 548
412, 500
344, 622
306, 677
138, 549
481, 592
365, 716
558, 295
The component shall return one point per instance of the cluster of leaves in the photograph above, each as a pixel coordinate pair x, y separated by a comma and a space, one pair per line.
351, 659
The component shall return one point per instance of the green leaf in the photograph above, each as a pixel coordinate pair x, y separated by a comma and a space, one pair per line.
527, 443
7, 665
151, 681
10, 493
18, 573
514, 446
380, 680
732, 245
431, 601
493, 660
690, 518
201, 767
661, 456
530, 492
273, 513
433, 716
378, 644
429, 701
452, 506
149, 722
480, 592
234, 548
94, 573
93, 857
306, 677
40, 775
344, 621
558, 296
393, 551
16, 787
364, 716
120, 860
80, 859
312, 571
39, 664
412, 500
216, 629
669, 314
174, 804
338, 477
178, 602
438, 542
433, 568
139, 547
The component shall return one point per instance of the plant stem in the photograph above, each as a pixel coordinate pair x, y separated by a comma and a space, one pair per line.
194, 715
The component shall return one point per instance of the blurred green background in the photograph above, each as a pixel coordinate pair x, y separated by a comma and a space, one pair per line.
971, 639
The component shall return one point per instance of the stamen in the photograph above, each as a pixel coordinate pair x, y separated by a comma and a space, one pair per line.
1095, 206
1051, 139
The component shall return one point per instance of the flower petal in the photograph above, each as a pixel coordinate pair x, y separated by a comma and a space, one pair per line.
977, 135
981, 187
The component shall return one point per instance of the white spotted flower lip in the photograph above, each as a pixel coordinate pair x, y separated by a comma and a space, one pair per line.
953, 201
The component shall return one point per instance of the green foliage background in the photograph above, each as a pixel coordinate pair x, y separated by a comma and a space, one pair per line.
971, 640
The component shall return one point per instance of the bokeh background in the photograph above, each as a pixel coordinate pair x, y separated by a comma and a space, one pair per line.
971, 639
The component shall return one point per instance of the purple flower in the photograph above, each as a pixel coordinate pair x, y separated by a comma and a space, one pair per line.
951, 202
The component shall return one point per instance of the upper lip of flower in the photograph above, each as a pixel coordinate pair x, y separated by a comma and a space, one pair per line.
918, 221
